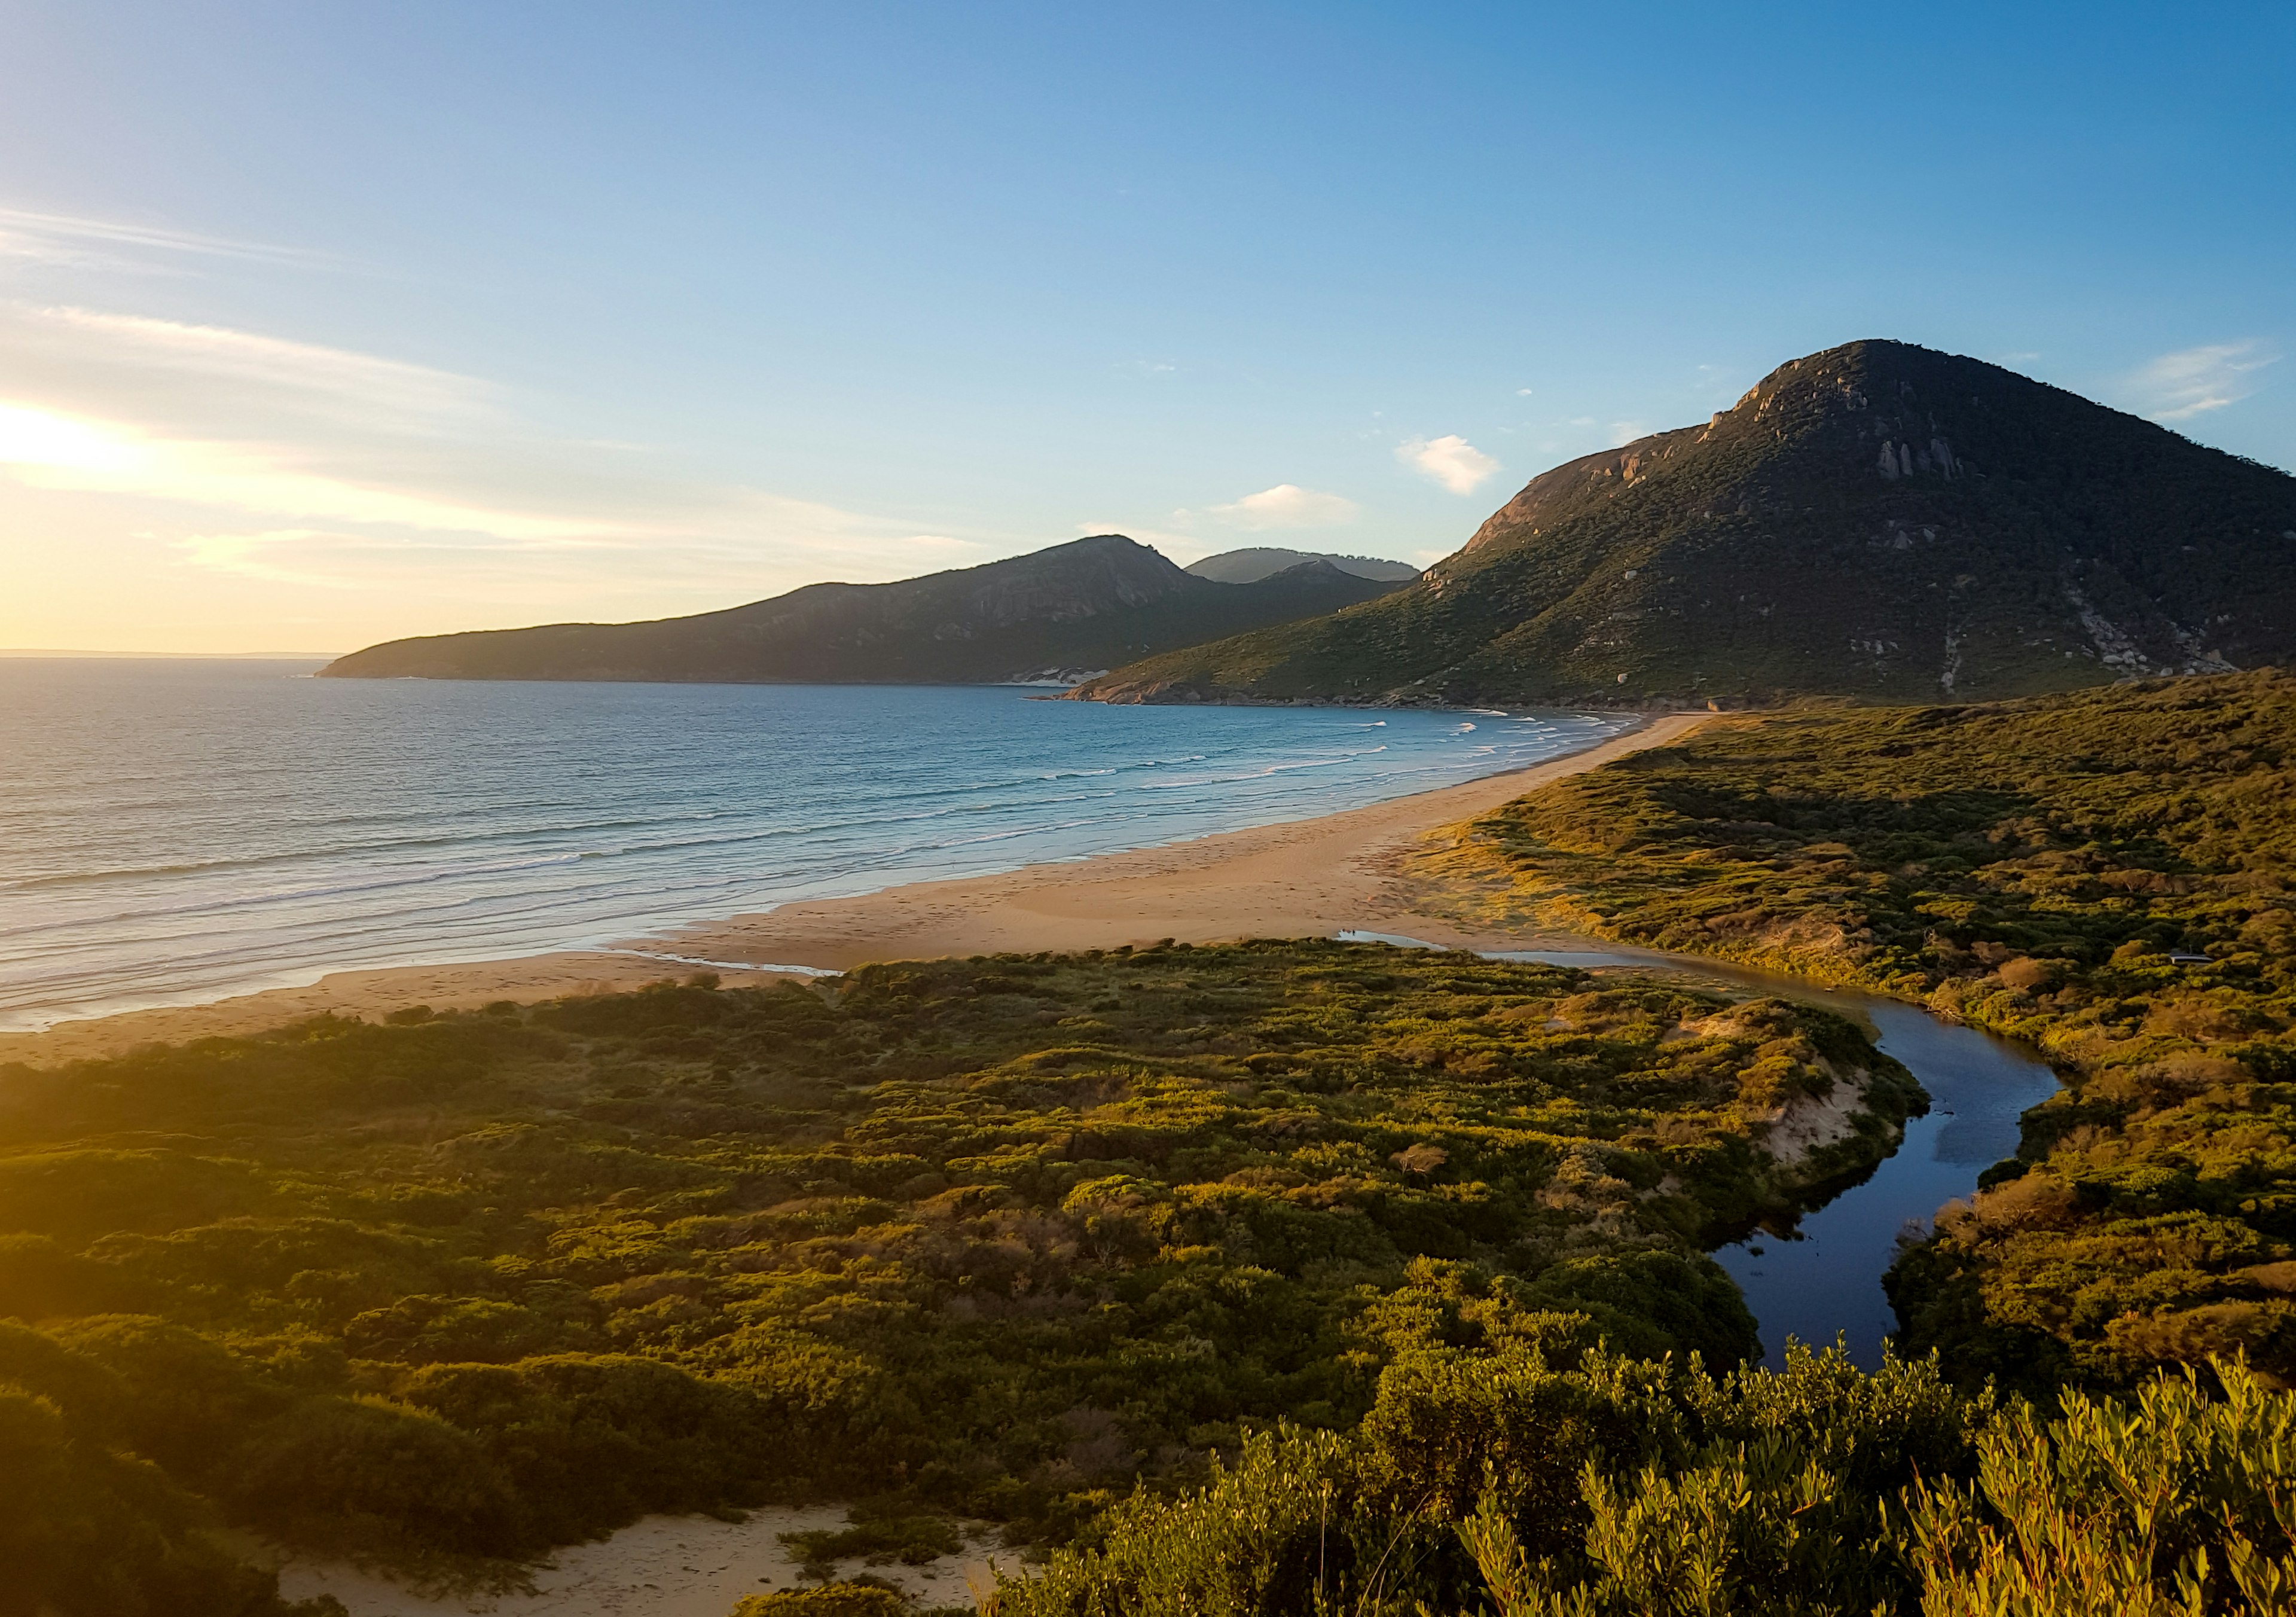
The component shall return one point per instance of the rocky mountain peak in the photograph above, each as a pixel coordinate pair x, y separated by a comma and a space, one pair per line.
1877, 520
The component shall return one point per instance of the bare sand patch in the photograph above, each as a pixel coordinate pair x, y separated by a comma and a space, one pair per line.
663, 1566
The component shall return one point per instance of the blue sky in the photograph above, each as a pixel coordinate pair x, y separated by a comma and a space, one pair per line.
321, 322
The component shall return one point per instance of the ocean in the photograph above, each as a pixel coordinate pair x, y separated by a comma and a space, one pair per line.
174, 831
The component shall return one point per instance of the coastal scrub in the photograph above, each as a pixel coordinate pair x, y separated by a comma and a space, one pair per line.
2110, 875
1004, 1237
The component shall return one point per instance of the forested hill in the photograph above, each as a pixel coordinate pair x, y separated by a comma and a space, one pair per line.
1878, 521
1080, 607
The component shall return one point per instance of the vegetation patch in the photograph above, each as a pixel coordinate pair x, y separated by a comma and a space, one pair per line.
1003, 1237
1526, 1482
2107, 875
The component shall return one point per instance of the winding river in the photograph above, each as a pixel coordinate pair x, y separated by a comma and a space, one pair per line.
1820, 1275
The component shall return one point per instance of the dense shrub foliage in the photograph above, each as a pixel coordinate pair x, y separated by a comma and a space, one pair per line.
826, 1600
999, 1236
1537, 1480
2107, 874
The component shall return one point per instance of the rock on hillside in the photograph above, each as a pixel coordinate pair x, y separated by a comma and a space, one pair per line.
1047, 617
1878, 521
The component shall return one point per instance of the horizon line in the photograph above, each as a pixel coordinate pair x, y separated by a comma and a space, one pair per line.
50, 651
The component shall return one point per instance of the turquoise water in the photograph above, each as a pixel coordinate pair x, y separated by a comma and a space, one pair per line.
171, 832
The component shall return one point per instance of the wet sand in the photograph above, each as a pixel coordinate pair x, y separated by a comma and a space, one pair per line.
1341, 871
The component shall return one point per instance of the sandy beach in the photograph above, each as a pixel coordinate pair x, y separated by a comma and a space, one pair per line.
1340, 872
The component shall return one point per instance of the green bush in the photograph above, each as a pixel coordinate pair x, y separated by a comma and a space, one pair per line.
1480, 1484
828, 1600
85, 1533
363, 1475
2183, 1499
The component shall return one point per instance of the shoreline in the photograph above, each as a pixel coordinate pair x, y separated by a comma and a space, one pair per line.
1333, 873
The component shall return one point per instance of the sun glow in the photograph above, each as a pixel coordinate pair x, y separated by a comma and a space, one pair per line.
50, 450
38, 438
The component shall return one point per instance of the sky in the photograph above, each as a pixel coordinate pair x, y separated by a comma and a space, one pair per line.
322, 323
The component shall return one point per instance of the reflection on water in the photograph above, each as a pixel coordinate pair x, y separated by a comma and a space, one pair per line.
1825, 1275
1821, 1276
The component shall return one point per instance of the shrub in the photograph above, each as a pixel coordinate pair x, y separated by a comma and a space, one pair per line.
87, 1533
363, 1475
2178, 1501
828, 1600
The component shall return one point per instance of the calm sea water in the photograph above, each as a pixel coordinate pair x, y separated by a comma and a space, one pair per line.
175, 831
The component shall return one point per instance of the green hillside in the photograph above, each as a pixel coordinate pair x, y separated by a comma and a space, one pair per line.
1877, 522
1049, 616
1259, 561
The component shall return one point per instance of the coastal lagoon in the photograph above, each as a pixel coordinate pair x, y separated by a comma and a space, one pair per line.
172, 831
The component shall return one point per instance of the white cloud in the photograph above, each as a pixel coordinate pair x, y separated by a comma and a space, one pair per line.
216, 382
1286, 506
57, 238
233, 454
1451, 461
679, 569
172, 483
250, 555
1624, 432
372, 384
2191, 381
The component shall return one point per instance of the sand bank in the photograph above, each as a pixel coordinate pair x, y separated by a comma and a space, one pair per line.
1305, 878
663, 1566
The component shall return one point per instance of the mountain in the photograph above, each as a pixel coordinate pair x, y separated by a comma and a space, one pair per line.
1250, 566
1048, 617
1878, 521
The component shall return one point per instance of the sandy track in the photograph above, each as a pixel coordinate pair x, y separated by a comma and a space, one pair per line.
663, 1566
